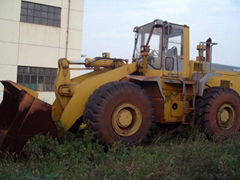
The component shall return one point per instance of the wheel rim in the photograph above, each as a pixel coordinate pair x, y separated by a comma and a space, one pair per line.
126, 120
226, 116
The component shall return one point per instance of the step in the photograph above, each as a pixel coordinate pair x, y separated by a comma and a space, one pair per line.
190, 108
190, 82
178, 81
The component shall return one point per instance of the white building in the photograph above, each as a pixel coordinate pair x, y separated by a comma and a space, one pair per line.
34, 35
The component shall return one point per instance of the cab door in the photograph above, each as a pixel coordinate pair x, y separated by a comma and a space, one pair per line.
172, 50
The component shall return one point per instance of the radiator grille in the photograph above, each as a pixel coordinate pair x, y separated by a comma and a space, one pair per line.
225, 83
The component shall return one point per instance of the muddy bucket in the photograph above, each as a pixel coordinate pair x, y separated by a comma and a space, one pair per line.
22, 115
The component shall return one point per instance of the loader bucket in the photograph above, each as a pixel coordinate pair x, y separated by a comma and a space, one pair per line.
21, 117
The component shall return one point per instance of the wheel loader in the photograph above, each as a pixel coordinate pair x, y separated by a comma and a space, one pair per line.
120, 100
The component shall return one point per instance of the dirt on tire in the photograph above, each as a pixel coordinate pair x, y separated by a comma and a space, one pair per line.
208, 107
103, 102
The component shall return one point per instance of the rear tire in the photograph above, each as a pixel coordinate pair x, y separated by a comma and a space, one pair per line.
218, 112
119, 112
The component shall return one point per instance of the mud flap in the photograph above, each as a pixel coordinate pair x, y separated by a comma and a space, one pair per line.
21, 117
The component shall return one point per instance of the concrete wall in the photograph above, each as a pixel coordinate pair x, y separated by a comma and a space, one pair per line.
37, 45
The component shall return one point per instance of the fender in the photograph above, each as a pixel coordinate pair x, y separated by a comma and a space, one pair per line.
154, 90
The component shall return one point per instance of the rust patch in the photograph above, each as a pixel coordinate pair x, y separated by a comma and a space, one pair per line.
22, 117
225, 83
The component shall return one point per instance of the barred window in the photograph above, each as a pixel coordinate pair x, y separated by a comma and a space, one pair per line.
37, 78
40, 14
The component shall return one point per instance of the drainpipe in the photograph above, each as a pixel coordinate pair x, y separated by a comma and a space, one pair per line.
67, 31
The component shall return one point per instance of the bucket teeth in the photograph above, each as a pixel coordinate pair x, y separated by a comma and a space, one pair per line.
21, 117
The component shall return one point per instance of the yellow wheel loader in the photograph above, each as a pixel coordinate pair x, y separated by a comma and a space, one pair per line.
119, 101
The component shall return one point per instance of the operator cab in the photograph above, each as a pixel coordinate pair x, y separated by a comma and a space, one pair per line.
166, 45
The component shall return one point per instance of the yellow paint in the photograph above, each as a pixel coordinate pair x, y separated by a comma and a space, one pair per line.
177, 112
29, 91
232, 77
226, 116
185, 73
126, 119
170, 115
104, 63
76, 105
70, 102
63, 78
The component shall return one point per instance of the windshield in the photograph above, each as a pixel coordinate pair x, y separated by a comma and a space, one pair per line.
166, 45
141, 38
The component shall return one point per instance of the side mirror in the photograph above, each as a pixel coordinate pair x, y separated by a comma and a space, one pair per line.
169, 63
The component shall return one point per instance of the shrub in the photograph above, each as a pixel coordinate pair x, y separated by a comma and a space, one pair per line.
184, 154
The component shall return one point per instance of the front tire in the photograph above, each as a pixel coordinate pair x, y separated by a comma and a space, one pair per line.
119, 112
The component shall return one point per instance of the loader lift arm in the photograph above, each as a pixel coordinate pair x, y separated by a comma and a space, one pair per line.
67, 109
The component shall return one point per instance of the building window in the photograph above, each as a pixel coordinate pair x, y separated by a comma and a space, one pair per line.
40, 14
37, 78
